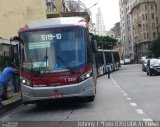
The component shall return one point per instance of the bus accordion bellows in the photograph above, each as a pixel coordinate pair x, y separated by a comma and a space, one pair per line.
106, 58
57, 60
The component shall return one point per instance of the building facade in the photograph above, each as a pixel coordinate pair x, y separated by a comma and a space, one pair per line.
100, 27
76, 6
126, 28
158, 14
144, 19
13, 17
117, 30
111, 33
54, 8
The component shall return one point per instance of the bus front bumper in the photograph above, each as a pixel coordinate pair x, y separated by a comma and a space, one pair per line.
34, 94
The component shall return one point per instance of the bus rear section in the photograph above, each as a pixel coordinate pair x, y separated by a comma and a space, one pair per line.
100, 63
109, 60
57, 62
116, 60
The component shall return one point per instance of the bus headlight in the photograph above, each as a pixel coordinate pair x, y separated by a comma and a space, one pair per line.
86, 75
26, 82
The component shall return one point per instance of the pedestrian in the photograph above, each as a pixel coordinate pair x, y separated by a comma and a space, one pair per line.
109, 70
5, 77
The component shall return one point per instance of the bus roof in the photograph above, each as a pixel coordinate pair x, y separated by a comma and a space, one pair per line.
57, 22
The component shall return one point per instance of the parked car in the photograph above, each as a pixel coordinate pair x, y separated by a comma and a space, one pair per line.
143, 58
122, 62
144, 65
153, 66
127, 61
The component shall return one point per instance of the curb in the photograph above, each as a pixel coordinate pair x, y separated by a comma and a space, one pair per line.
9, 107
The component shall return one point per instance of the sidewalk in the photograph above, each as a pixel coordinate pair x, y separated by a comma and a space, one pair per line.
13, 101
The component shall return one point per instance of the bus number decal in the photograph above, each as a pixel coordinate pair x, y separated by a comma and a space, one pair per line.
50, 37
58, 36
70, 79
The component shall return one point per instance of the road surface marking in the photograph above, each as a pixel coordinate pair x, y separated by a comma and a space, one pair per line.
123, 91
115, 83
128, 99
139, 111
118, 86
147, 120
133, 104
124, 94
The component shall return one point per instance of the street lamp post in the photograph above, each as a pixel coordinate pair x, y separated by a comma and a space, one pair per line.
92, 6
87, 9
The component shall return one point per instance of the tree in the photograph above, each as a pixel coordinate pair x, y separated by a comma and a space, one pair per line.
155, 47
105, 42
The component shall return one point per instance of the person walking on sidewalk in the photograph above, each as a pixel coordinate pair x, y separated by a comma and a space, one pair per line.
5, 77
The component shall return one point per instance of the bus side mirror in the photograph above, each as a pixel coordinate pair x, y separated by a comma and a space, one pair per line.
94, 47
93, 44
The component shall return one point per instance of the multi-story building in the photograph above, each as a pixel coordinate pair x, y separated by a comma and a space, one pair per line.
111, 33
126, 28
144, 19
100, 27
76, 6
158, 14
117, 29
13, 17
54, 8
116, 34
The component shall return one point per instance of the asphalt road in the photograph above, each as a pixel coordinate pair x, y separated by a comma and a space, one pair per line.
129, 95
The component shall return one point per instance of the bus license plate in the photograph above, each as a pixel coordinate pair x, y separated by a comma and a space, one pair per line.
56, 95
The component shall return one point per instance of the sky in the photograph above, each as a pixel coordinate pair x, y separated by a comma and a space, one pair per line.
109, 10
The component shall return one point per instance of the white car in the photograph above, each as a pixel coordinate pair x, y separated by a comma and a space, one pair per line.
127, 61
143, 59
122, 62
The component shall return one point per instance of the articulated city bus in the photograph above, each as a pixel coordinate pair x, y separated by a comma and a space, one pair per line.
116, 58
107, 57
57, 60
100, 62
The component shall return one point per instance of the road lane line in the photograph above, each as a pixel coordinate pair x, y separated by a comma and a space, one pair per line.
123, 91
133, 104
139, 111
148, 120
128, 99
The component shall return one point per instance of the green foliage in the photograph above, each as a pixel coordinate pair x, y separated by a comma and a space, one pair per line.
155, 47
105, 42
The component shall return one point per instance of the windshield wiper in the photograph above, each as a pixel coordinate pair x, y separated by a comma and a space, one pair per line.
64, 63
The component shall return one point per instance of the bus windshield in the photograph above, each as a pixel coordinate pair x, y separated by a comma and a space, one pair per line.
54, 50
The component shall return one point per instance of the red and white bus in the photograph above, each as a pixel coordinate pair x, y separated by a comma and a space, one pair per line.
57, 60
106, 58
